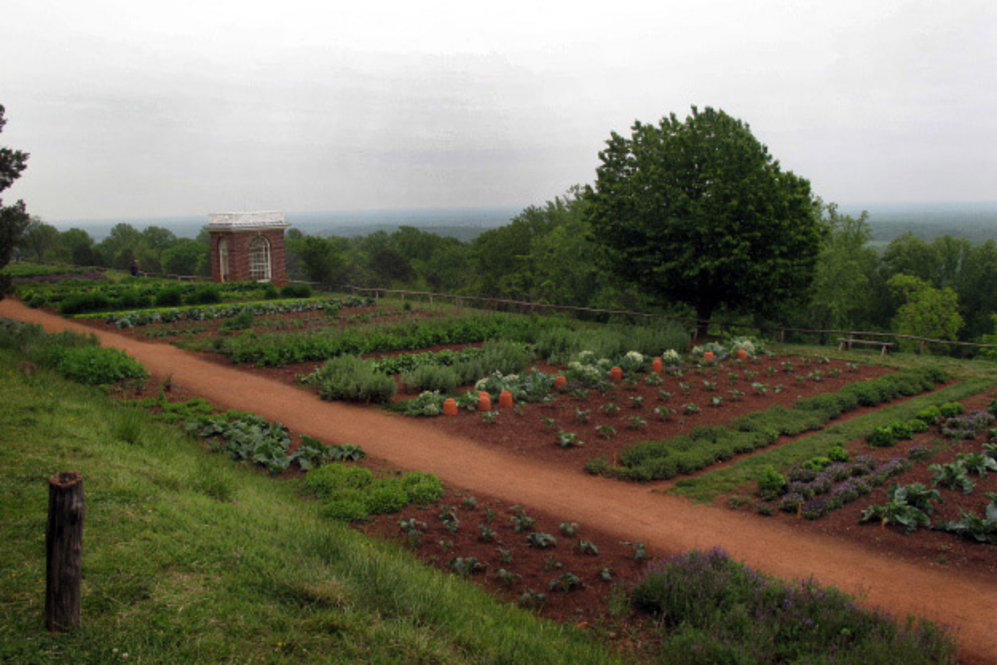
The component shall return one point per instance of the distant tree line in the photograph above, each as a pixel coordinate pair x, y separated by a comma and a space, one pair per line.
689, 216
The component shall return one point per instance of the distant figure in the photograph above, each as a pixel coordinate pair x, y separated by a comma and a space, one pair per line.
134, 269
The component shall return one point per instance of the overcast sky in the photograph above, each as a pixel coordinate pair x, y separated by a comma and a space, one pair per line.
142, 109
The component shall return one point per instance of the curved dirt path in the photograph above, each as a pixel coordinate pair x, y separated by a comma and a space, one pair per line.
633, 512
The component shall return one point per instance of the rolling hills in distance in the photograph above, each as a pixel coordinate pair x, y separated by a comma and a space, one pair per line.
976, 221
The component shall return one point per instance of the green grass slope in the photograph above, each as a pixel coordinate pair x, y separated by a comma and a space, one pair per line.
189, 558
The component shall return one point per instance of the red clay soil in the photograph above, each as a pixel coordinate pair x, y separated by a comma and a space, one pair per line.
964, 601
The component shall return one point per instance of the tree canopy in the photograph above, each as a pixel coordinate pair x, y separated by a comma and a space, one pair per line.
14, 218
698, 211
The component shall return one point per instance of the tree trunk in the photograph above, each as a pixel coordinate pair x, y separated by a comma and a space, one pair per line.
64, 551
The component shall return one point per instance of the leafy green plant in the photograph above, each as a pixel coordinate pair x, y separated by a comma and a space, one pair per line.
977, 463
568, 528
610, 409
565, 582
351, 378
639, 550
690, 409
982, 529
909, 506
636, 423
567, 439
486, 534
952, 475
522, 522
489, 417
588, 547
663, 412
541, 541
582, 415
771, 483
606, 431
465, 566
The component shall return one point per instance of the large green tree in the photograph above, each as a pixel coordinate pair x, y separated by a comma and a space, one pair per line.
698, 211
14, 218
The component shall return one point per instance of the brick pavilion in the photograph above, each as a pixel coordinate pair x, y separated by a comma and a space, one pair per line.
248, 246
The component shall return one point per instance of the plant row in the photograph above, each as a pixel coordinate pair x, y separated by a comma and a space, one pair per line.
353, 493
129, 319
712, 609
81, 296
77, 357
707, 445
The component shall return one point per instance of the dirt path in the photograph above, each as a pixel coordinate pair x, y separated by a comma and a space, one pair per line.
632, 512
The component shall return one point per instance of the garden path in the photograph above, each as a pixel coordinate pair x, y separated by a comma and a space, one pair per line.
632, 512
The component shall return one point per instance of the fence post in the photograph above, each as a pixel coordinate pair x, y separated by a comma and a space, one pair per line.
64, 551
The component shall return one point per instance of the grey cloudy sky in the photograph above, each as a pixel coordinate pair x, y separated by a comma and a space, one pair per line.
139, 109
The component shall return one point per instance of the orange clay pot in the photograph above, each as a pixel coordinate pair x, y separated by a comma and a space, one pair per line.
560, 381
616, 374
709, 355
450, 407
742, 354
484, 401
505, 400
657, 366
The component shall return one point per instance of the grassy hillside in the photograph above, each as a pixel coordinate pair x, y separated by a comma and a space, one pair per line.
190, 559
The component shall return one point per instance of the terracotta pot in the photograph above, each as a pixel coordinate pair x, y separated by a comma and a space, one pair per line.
709, 355
657, 366
505, 400
450, 407
742, 354
616, 374
560, 381
484, 401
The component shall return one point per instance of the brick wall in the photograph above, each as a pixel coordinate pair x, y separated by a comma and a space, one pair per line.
238, 255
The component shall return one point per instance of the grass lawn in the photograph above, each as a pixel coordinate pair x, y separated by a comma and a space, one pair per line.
190, 558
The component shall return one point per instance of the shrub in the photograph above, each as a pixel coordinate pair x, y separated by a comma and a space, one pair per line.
916, 426
838, 454
712, 609
95, 365
771, 483
431, 378
422, 488
351, 378
950, 409
296, 291
386, 495
330, 480
204, 294
169, 297
929, 415
881, 437
348, 507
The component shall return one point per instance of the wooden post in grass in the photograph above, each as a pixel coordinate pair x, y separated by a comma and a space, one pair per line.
64, 551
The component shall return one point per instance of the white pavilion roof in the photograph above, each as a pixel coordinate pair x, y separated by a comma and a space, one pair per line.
256, 220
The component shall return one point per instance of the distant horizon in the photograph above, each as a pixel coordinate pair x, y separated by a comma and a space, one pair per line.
848, 207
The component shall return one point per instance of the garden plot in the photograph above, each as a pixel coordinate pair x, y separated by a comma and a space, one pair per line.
922, 487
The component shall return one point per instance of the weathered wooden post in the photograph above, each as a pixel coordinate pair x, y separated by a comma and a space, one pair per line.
64, 551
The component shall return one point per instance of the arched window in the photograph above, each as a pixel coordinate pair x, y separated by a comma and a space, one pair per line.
259, 259
223, 259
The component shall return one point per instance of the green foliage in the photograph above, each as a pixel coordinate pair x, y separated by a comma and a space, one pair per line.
351, 378
286, 348
249, 437
755, 227
296, 291
909, 506
711, 609
771, 483
970, 525
953, 475
431, 377
97, 365
927, 311
704, 446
